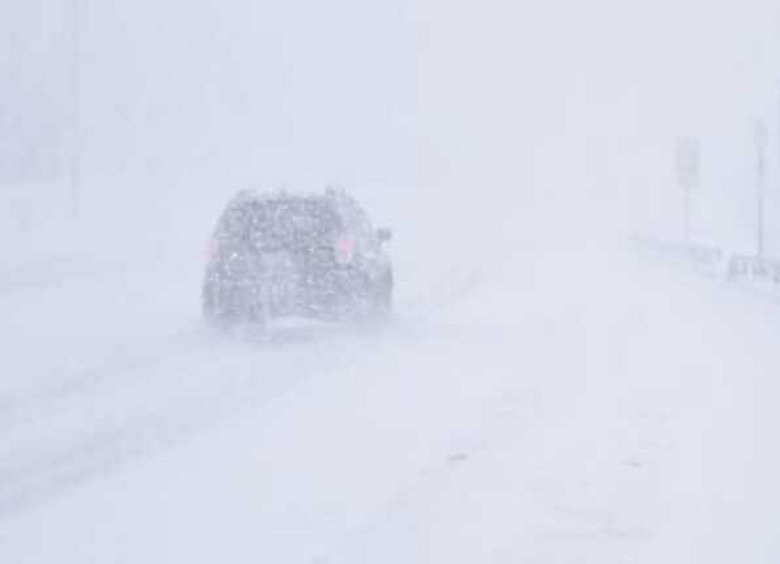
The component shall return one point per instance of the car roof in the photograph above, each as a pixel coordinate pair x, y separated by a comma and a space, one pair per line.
284, 195
337, 200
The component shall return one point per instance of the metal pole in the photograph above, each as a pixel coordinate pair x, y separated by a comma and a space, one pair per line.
74, 179
687, 218
760, 138
687, 171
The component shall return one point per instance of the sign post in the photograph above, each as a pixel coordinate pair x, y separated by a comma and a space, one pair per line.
760, 140
74, 172
686, 165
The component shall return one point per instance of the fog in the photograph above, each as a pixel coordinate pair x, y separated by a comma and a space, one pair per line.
555, 383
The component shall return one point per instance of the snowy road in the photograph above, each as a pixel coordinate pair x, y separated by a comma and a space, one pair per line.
627, 418
72, 410
545, 393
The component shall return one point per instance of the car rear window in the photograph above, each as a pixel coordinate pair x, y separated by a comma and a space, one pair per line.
292, 223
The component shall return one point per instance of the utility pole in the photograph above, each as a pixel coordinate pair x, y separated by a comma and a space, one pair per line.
74, 172
760, 140
686, 165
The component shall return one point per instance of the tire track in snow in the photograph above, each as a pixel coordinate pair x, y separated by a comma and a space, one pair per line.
59, 442
134, 403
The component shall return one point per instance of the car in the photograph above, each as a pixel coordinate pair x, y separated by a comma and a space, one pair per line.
316, 256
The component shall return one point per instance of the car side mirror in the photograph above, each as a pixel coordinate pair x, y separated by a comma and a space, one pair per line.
384, 234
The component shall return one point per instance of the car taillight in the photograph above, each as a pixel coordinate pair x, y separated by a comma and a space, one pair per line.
211, 249
344, 249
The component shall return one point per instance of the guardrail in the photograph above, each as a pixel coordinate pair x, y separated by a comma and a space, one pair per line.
715, 262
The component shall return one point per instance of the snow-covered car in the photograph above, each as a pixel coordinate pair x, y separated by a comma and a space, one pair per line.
291, 255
